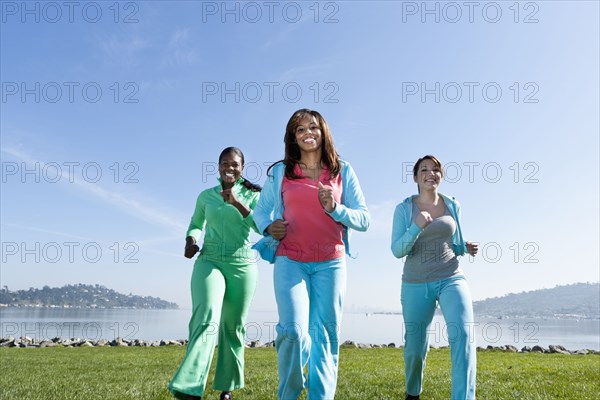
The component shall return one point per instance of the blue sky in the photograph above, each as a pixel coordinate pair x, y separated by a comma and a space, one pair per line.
113, 116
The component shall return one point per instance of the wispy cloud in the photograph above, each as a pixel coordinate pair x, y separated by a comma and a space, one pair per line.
310, 70
133, 207
283, 35
381, 217
44, 231
180, 51
123, 49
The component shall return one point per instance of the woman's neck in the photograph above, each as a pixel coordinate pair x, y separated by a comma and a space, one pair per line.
311, 160
429, 197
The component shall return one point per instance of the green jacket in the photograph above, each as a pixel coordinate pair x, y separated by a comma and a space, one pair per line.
226, 232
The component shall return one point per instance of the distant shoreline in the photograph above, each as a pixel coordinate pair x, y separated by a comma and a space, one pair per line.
570, 317
504, 316
69, 307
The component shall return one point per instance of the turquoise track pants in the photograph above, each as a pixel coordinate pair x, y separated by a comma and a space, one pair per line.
309, 303
418, 306
221, 296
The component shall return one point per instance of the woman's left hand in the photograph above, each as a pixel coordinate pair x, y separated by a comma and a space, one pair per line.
472, 248
228, 196
326, 197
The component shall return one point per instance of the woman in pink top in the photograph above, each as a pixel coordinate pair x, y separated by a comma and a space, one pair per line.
309, 202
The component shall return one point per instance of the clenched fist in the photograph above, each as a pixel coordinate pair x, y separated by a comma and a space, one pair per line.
191, 248
326, 197
277, 229
472, 248
423, 219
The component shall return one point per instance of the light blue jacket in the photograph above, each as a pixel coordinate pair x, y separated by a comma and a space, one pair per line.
352, 212
405, 232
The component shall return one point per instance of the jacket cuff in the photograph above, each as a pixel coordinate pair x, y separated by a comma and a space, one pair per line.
414, 229
195, 233
337, 212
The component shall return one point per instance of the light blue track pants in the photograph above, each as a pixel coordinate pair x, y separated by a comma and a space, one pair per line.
418, 305
309, 303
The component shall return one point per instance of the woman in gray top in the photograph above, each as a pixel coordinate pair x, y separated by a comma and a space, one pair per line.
427, 230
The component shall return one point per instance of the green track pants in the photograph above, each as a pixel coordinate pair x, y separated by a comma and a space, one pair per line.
221, 296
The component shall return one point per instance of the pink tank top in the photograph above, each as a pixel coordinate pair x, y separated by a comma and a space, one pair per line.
312, 235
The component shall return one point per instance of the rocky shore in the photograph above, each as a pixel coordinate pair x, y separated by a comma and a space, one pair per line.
506, 348
27, 342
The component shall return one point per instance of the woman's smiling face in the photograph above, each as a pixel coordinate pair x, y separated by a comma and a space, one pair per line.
429, 175
308, 134
230, 168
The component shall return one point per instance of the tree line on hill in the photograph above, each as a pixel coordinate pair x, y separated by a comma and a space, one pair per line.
80, 296
578, 300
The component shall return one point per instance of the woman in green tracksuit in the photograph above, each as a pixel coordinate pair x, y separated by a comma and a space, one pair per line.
223, 281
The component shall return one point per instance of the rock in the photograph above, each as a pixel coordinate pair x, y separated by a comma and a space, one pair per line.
26, 339
363, 346
349, 343
119, 342
557, 349
581, 352
538, 349
392, 345
525, 349
169, 343
9, 342
102, 342
510, 349
86, 344
48, 343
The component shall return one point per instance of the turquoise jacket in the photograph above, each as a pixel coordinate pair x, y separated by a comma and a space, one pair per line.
405, 232
352, 212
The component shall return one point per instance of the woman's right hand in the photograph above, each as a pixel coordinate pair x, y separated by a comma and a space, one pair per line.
423, 219
191, 248
277, 229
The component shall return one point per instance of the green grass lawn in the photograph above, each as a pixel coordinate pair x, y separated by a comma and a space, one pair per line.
143, 373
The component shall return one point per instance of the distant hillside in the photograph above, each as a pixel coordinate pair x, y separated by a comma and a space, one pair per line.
79, 296
579, 300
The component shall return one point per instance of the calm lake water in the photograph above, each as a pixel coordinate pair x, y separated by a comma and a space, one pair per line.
93, 324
